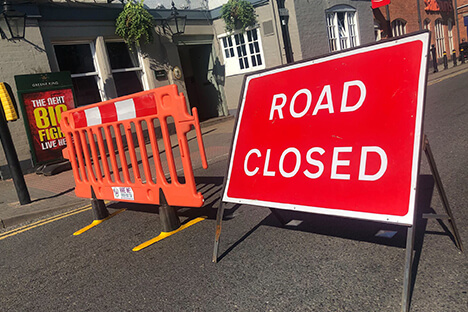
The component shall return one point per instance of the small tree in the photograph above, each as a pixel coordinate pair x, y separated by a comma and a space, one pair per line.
238, 14
134, 24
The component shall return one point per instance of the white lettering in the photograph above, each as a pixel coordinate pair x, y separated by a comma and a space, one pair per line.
344, 99
266, 172
314, 162
246, 170
296, 167
336, 162
383, 163
278, 108
326, 92
308, 103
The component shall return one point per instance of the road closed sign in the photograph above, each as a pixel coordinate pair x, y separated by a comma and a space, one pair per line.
338, 135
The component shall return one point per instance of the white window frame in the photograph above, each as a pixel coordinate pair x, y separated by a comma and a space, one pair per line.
427, 24
398, 27
439, 37
450, 35
231, 60
342, 36
96, 73
143, 75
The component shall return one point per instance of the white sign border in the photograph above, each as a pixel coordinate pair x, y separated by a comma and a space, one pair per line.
407, 219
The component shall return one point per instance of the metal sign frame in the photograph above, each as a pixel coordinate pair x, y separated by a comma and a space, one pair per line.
406, 219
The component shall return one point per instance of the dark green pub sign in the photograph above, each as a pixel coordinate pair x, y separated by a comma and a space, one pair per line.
43, 98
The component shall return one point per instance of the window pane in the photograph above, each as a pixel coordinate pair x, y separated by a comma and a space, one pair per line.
254, 61
127, 83
86, 90
76, 58
120, 56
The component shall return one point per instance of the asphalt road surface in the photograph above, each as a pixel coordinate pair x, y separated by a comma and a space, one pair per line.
316, 263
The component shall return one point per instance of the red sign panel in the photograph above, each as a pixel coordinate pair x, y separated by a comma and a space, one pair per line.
339, 135
379, 3
44, 111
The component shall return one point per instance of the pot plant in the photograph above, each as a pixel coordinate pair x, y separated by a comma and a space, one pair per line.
134, 24
238, 15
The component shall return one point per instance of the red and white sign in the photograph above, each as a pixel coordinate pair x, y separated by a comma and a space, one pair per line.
339, 135
379, 3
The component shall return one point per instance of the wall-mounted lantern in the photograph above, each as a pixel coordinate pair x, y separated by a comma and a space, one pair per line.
175, 23
12, 23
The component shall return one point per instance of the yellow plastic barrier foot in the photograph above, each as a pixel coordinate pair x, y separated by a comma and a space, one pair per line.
97, 222
163, 235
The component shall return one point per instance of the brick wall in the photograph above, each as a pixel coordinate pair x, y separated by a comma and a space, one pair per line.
408, 11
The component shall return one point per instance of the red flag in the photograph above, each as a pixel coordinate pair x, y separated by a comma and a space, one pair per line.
378, 3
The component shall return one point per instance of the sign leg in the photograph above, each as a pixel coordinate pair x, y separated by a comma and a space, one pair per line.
405, 303
219, 219
278, 216
442, 194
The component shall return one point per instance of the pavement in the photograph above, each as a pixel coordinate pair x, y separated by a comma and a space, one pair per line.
55, 194
51, 195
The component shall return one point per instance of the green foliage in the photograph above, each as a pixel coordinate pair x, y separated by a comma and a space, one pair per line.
238, 14
134, 24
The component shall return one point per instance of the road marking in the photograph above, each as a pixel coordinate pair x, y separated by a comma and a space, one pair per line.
97, 222
163, 235
446, 77
43, 222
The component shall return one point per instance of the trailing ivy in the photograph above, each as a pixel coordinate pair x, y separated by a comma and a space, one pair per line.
238, 14
134, 24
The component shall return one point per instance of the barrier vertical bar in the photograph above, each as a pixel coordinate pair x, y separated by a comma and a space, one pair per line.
95, 159
102, 151
87, 157
123, 158
155, 149
79, 156
112, 156
144, 154
168, 150
131, 152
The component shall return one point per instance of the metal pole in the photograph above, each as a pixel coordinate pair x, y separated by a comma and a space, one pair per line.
389, 23
13, 162
219, 219
456, 21
405, 303
442, 194
419, 15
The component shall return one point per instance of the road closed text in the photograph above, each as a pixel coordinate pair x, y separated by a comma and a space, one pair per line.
311, 162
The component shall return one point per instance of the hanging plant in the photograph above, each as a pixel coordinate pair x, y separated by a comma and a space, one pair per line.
238, 14
134, 24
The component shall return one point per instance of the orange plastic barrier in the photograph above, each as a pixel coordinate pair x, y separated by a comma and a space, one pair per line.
110, 146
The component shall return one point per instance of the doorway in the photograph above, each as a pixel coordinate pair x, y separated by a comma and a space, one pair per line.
201, 82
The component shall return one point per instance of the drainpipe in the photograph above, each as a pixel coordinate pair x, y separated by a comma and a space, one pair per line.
273, 5
456, 21
284, 18
419, 15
